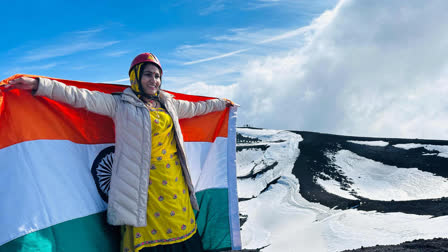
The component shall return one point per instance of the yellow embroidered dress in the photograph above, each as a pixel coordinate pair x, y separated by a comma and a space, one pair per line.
170, 217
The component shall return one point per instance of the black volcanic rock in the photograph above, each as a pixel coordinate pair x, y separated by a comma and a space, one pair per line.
312, 162
433, 245
315, 162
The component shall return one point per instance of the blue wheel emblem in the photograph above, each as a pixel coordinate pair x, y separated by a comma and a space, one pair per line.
102, 171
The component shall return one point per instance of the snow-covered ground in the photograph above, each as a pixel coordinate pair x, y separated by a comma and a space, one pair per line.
374, 180
281, 153
370, 143
280, 218
443, 150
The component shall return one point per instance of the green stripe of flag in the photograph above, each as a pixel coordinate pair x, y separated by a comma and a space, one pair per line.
213, 219
87, 234
92, 233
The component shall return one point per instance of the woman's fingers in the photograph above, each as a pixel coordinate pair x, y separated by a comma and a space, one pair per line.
230, 103
6, 87
25, 83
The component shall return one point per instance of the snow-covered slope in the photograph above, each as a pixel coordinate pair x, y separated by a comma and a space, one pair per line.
303, 191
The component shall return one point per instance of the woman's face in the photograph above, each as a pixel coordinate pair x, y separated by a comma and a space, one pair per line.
150, 79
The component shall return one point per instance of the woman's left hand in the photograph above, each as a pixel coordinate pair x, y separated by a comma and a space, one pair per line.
230, 103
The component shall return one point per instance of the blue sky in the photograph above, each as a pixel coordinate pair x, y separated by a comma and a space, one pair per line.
366, 68
96, 40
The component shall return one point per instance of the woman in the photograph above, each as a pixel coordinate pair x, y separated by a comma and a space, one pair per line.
151, 193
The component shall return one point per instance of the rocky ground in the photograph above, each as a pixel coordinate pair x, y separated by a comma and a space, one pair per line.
434, 245
313, 161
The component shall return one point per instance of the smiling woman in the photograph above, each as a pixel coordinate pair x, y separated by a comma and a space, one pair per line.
151, 79
150, 194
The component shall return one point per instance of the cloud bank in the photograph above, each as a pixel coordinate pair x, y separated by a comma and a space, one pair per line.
364, 68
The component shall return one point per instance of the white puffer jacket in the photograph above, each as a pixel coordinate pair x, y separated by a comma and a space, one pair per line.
128, 192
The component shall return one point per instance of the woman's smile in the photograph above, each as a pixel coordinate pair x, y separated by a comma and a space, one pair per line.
150, 79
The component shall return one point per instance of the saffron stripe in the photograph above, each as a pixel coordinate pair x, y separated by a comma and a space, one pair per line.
55, 120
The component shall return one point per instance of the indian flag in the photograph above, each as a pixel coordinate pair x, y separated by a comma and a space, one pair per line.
55, 165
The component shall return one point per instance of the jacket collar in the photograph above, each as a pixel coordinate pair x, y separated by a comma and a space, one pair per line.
129, 96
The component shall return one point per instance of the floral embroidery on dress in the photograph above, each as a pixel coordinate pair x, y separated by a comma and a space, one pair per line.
170, 211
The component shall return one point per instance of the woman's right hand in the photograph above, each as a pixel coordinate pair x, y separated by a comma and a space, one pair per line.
24, 83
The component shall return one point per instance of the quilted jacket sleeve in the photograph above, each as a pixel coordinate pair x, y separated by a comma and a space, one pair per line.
94, 101
186, 109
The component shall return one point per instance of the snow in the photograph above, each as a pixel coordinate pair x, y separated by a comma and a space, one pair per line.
280, 219
351, 229
247, 160
377, 181
285, 221
334, 187
282, 149
370, 143
258, 133
443, 150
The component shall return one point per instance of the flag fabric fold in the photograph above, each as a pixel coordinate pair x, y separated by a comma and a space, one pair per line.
56, 164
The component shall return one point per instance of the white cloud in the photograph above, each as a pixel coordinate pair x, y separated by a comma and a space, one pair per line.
215, 6
292, 5
289, 34
68, 44
120, 81
201, 88
215, 57
366, 68
116, 53
90, 31
31, 68
65, 49
250, 39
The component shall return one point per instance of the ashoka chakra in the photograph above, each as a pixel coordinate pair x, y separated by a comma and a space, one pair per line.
102, 171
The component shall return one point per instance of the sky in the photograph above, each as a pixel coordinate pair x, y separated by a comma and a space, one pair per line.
362, 68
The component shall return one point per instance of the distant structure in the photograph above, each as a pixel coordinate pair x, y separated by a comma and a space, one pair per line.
240, 139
